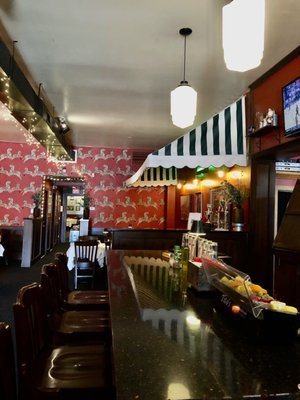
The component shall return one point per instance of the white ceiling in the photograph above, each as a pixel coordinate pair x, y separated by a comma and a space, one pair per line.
109, 66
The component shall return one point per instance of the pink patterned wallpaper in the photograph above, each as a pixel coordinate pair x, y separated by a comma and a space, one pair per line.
22, 167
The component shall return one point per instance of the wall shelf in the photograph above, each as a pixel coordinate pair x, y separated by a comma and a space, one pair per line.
262, 131
258, 133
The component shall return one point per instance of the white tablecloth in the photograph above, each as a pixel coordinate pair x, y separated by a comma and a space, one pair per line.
71, 221
73, 236
101, 253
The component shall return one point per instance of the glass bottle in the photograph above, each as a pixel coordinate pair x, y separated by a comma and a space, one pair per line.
177, 256
226, 218
221, 215
185, 254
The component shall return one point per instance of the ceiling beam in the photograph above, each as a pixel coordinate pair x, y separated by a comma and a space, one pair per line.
29, 108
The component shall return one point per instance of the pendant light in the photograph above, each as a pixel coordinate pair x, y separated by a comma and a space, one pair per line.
184, 97
243, 34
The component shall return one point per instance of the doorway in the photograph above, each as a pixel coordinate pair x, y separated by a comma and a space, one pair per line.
72, 204
62, 198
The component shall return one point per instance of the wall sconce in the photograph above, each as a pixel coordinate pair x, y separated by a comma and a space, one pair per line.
189, 186
236, 174
184, 97
207, 182
243, 44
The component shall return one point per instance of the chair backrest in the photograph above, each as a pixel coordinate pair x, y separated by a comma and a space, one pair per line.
31, 326
81, 238
51, 288
8, 381
61, 262
86, 251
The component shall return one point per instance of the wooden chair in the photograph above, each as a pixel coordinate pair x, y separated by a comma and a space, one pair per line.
61, 372
85, 260
83, 238
77, 299
71, 326
8, 382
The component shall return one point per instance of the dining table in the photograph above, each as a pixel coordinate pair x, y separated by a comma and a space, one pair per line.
2, 250
100, 256
171, 342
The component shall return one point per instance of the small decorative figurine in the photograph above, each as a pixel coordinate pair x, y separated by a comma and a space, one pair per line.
269, 116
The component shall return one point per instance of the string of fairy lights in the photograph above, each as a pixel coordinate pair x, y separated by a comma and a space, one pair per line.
57, 179
17, 113
34, 128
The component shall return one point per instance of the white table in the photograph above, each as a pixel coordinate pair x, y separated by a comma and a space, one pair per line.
101, 253
2, 254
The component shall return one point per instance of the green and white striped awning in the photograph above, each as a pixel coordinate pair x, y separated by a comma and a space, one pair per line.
220, 141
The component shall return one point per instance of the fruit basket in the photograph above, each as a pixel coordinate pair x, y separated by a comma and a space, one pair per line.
249, 301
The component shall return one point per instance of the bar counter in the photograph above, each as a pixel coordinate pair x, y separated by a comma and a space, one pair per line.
169, 342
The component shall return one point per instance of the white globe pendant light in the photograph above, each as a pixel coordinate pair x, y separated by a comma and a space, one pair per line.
183, 105
184, 97
243, 34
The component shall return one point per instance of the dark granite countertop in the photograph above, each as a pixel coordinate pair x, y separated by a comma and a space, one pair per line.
170, 342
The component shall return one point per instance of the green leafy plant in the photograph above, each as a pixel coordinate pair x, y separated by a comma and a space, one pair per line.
37, 198
236, 196
87, 201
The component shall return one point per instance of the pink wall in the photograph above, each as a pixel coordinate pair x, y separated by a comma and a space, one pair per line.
22, 167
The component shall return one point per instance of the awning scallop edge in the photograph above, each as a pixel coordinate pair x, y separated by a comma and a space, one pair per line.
219, 141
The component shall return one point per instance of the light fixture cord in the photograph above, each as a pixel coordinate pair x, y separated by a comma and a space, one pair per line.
12, 60
184, 60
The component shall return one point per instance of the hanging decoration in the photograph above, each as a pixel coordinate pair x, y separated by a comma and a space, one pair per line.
184, 97
220, 141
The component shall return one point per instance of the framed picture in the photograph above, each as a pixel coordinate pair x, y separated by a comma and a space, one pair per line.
197, 203
218, 195
70, 208
77, 208
185, 206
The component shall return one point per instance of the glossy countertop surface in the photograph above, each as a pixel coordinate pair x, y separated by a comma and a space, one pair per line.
170, 342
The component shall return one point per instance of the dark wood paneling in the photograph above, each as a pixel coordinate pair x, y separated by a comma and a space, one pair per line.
146, 239
287, 253
12, 237
265, 151
32, 241
262, 221
234, 245
287, 278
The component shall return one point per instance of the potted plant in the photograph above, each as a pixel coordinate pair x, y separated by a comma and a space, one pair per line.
86, 203
236, 197
37, 201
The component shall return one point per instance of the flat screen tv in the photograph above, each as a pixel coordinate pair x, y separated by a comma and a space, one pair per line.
291, 107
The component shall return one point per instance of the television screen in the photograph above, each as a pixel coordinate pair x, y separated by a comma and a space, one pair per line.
291, 107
